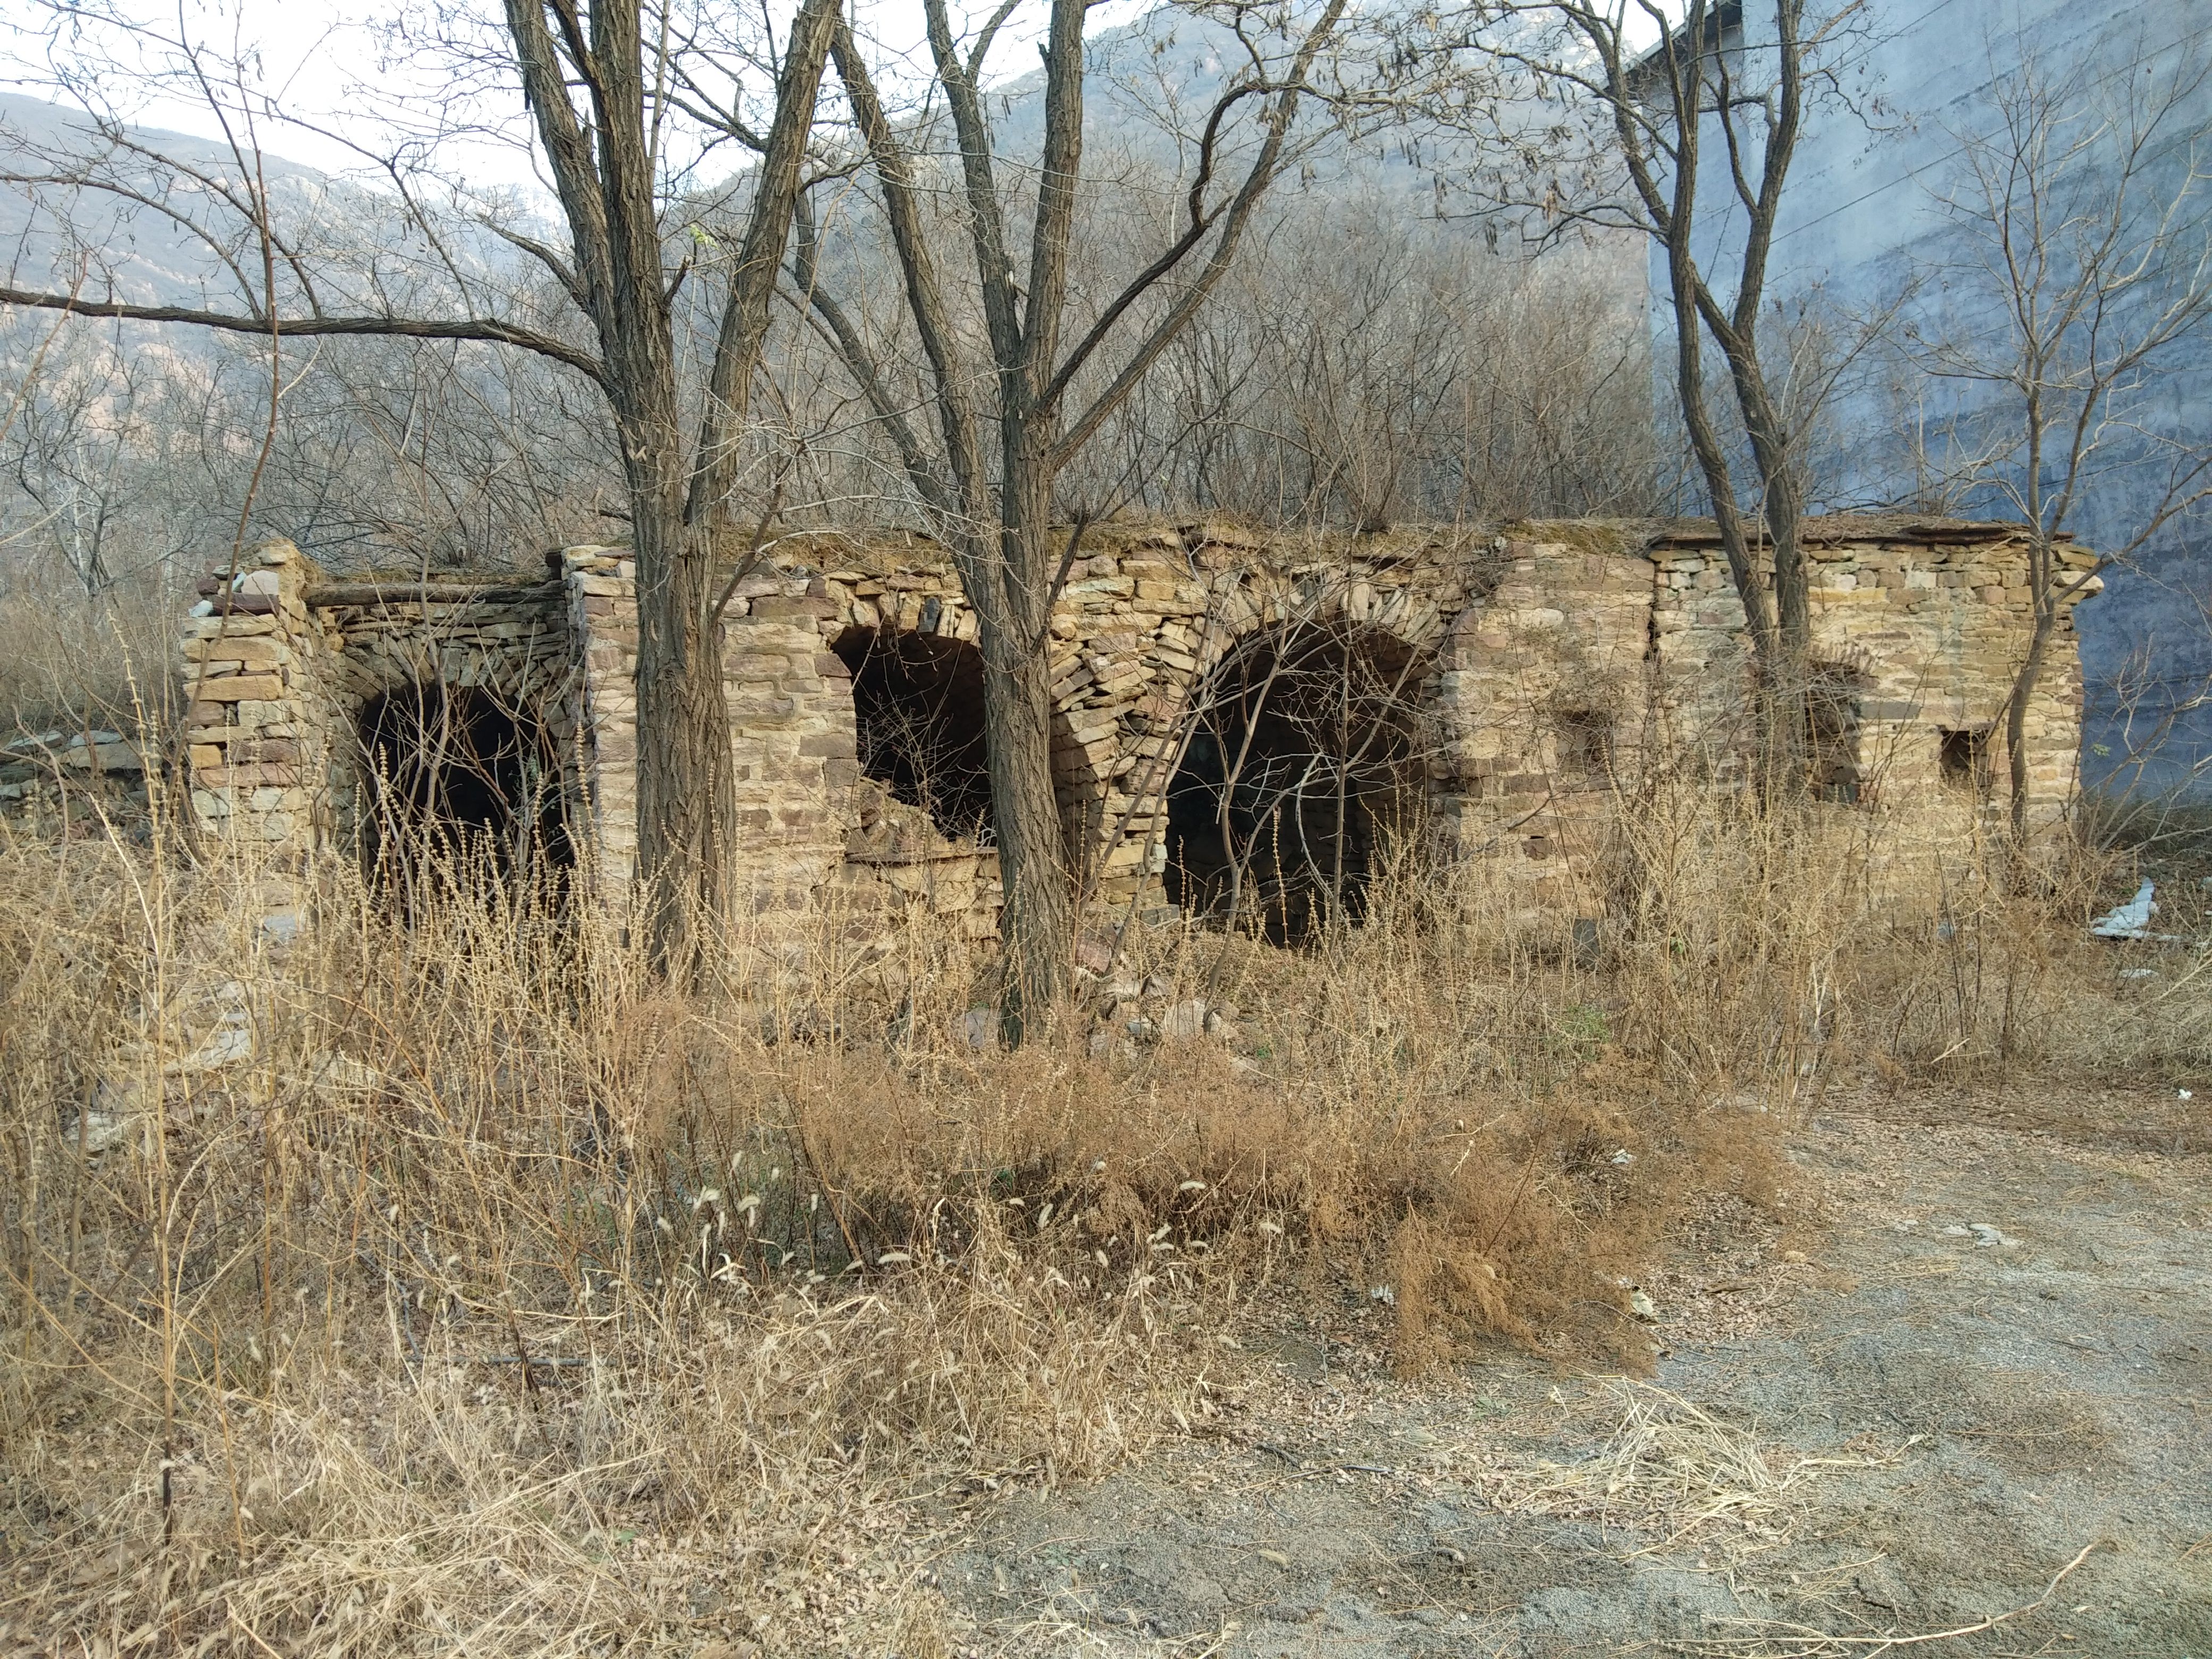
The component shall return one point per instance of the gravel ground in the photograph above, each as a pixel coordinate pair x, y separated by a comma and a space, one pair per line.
1964, 1404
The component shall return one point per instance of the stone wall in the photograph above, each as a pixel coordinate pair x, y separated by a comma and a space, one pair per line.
254, 739
278, 664
1545, 663
1930, 616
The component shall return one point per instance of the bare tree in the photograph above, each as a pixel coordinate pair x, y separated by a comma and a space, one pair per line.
1363, 368
601, 81
2082, 283
1014, 403
69, 454
1738, 77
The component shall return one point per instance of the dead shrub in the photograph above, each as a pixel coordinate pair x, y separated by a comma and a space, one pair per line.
394, 1285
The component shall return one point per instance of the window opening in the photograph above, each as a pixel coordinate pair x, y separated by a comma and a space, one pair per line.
917, 720
460, 788
1964, 758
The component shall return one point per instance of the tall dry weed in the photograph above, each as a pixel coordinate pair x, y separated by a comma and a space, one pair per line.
69, 661
381, 1288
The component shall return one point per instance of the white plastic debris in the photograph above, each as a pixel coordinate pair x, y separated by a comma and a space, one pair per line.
2129, 920
1641, 1305
1622, 1159
1986, 1237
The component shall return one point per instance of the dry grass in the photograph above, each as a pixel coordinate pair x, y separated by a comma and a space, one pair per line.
67, 662
1672, 1469
455, 1288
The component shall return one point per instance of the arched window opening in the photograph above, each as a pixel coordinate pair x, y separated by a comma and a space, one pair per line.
918, 715
1304, 760
459, 788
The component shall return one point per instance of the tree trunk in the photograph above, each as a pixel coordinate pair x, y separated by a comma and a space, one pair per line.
2023, 688
1788, 692
1785, 522
685, 783
1037, 926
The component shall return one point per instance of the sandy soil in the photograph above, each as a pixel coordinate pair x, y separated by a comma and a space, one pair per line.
1867, 1425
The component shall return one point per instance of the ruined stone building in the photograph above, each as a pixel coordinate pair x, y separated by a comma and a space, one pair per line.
1240, 716
1879, 220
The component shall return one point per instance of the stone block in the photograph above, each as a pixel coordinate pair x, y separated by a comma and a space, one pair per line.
789, 610
260, 651
247, 777
239, 687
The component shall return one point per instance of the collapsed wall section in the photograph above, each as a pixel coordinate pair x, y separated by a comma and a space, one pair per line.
340, 715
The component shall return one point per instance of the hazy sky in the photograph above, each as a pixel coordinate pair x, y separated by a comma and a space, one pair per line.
323, 62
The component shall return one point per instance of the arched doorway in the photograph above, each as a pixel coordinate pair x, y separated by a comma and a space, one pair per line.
1304, 758
460, 789
917, 716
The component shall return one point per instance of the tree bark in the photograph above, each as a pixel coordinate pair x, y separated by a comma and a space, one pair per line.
2031, 674
2045, 595
686, 781
1037, 926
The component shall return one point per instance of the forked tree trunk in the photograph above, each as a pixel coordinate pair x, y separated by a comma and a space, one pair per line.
607, 174
1003, 549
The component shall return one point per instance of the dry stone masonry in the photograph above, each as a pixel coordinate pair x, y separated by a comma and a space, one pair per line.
1531, 674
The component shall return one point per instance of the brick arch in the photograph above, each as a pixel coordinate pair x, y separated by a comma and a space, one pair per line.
1310, 730
1115, 777
1255, 601
926, 600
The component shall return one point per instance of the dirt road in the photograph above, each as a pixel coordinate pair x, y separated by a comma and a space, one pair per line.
1965, 1385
